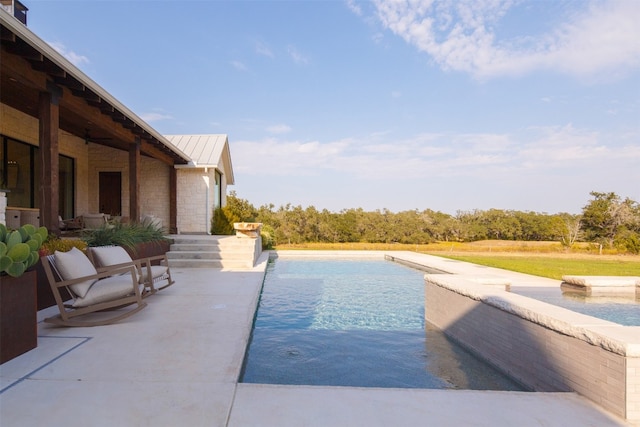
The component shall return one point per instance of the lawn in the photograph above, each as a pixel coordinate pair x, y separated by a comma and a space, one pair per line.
555, 266
545, 259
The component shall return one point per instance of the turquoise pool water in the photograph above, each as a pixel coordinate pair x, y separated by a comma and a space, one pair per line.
621, 310
355, 323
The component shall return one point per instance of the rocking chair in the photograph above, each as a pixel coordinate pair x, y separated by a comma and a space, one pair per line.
104, 293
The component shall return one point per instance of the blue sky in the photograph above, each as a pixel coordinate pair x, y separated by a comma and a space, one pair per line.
443, 105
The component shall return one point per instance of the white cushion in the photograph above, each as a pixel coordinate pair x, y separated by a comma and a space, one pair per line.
74, 265
156, 272
110, 255
107, 289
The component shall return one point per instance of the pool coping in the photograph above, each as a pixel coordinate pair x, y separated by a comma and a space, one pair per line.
611, 377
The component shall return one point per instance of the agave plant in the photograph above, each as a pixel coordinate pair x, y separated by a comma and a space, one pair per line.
19, 248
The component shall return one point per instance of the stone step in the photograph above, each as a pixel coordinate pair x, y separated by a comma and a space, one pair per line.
196, 247
208, 263
190, 251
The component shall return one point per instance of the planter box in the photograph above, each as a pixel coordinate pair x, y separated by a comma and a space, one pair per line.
45, 295
18, 321
149, 249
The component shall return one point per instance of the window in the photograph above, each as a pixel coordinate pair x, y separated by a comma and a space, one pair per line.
217, 203
20, 174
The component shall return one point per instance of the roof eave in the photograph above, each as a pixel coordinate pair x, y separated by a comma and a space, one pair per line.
54, 56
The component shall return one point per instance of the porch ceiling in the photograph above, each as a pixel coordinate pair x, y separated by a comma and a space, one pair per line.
86, 110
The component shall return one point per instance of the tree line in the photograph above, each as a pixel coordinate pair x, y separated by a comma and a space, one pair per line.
606, 219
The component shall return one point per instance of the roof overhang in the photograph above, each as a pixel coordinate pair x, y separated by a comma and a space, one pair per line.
29, 66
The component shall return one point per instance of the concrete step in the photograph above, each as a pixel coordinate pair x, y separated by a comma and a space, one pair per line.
208, 263
196, 247
191, 251
194, 255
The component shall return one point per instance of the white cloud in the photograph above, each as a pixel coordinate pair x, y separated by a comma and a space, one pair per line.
279, 129
297, 56
155, 116
354, 7
74, 58
264, 50
238, 65
542, 151
460, 36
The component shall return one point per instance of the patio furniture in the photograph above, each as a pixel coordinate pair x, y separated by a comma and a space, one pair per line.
91, 291
70, 224
94, 221
153, 272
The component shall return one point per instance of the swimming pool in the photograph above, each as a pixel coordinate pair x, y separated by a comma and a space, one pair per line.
621, 310
355, 323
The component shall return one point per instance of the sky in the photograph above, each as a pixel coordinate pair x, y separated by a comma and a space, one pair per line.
398, 105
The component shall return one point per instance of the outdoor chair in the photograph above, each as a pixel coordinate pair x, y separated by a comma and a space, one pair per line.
94, 221
153, 272
106, 292
70, 224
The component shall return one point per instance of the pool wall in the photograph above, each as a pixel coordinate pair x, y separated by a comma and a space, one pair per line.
544, 347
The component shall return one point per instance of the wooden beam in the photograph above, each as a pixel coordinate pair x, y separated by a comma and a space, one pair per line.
48, 111
173, 201
134, 182
86, 106
20, 69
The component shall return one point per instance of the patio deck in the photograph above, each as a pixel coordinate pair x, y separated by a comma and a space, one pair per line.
177, 363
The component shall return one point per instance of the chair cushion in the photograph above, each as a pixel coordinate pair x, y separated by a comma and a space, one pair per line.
157, 271
107, 289
110, 255
74, 265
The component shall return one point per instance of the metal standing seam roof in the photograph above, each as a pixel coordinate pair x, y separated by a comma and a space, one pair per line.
205, 151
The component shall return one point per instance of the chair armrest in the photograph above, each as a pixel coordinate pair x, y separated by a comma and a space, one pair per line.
100, 275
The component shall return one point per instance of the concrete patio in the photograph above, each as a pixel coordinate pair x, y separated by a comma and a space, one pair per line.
177, 363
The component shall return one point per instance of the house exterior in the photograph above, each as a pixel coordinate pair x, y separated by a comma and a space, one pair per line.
68, 147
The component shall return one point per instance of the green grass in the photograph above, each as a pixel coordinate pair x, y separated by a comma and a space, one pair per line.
552, 267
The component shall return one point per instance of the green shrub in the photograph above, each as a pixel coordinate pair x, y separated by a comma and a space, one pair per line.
220, 223
126, 235
54, 243
267, 234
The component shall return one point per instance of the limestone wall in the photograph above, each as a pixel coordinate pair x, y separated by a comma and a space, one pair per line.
195, 200
154, 182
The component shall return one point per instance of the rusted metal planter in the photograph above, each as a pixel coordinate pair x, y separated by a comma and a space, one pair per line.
149, 249
18, 320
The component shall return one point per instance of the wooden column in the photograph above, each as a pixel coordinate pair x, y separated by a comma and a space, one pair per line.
49, 191
173, 200
134, 181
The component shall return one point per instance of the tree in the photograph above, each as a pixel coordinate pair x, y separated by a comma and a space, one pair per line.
569, 229
606, 215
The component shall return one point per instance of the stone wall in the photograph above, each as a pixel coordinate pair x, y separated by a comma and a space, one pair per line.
154, 181
195, 200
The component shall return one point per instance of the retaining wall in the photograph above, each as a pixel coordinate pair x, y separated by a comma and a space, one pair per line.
544, 347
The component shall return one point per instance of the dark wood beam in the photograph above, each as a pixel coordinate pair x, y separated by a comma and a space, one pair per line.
134, 181
48, 111
81, 108
173, 201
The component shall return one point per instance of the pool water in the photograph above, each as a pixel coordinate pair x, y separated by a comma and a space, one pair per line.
621, 310
355, 323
